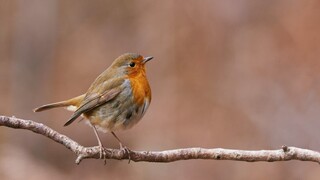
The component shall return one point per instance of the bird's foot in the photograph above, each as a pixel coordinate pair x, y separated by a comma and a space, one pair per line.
103, 154
126, 151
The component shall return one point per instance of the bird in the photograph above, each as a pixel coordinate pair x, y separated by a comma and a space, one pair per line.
116, 100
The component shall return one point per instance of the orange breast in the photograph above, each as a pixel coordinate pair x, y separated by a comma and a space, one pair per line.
140, 87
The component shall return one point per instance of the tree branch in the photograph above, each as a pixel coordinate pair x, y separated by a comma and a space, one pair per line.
284, 154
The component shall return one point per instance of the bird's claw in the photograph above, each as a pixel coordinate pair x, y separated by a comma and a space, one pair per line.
103, 154
126, 151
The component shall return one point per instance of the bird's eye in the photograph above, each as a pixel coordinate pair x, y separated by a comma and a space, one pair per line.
132, 64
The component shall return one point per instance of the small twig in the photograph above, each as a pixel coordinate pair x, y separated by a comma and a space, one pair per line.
284, 154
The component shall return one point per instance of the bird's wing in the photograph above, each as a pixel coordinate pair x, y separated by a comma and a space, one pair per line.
94, 99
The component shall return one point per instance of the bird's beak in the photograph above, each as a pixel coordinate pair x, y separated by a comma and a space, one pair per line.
146, 59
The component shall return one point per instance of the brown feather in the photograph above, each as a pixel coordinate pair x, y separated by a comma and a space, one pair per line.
92, 102
71, 102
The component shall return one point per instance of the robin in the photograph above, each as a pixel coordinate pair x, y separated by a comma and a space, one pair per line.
116, 100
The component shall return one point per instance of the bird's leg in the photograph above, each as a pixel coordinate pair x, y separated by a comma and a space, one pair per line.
122, 148
102, 150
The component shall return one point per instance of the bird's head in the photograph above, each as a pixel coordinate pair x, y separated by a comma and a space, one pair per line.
131, 64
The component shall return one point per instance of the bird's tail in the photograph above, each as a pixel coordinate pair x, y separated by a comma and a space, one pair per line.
71, 104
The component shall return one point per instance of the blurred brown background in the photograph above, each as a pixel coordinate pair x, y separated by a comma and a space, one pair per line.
231, 74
